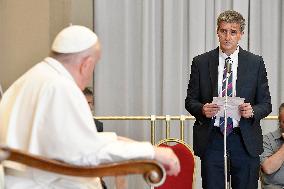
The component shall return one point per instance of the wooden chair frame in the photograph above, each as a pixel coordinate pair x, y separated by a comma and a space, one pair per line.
153, 172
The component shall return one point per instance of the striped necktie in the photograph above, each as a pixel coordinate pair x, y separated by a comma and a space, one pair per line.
230, 93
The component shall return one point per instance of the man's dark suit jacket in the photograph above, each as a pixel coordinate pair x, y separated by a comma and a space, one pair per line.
251, 84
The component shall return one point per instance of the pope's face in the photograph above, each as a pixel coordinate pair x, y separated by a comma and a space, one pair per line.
94, 59
229, 35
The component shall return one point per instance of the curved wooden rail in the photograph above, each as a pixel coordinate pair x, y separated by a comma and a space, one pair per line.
153, 172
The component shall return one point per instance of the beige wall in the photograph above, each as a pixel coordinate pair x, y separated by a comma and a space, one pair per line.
28, 27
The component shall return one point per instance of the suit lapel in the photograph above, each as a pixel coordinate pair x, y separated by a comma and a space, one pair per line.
241, 72
213, 69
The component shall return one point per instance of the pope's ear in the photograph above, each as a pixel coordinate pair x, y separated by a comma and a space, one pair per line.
85, 64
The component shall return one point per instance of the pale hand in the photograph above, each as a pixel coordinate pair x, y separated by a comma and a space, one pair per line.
246, 110
210, 110
168, 159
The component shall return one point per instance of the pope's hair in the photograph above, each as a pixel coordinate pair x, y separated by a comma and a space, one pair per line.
68, 58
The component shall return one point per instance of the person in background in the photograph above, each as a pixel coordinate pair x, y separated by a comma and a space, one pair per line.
248, 80
120, 181
272, 159
45, 113
90, 99
99, 125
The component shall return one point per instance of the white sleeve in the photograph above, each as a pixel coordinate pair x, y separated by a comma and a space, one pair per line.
65, 130
122, 150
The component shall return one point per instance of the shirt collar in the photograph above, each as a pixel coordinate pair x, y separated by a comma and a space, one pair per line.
57, 66
233, 56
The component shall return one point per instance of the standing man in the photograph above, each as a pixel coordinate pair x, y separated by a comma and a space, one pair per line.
45, 112
272, 159
249, 81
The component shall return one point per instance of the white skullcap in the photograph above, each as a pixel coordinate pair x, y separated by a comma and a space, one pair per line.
74, 39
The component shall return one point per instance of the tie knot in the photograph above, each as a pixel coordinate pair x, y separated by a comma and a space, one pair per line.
228, 65
228, 59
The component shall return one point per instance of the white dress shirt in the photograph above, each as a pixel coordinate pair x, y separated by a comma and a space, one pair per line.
44, 112
234, 58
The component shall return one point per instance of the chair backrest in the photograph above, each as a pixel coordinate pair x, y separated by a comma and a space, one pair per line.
153, 172
186, 177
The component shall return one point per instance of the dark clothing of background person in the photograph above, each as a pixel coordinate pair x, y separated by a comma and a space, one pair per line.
99, 125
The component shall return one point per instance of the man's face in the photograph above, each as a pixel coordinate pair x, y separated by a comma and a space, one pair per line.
229, 35
90, 101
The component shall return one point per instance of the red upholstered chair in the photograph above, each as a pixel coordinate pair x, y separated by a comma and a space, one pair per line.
185, 179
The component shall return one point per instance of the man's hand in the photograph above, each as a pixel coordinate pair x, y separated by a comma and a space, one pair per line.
210, 110
274, 162
246, 110
168, 159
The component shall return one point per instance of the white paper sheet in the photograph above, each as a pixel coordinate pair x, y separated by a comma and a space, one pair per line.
232, 106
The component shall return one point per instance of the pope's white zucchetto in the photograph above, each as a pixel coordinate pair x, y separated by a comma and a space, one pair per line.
74, 39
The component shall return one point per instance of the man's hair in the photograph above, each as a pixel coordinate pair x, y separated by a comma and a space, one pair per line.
88, 92
281, 107
231, 16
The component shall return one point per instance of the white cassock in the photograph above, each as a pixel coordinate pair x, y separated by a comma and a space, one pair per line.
44, 112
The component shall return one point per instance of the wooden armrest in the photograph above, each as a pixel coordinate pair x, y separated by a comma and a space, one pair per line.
153, 172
